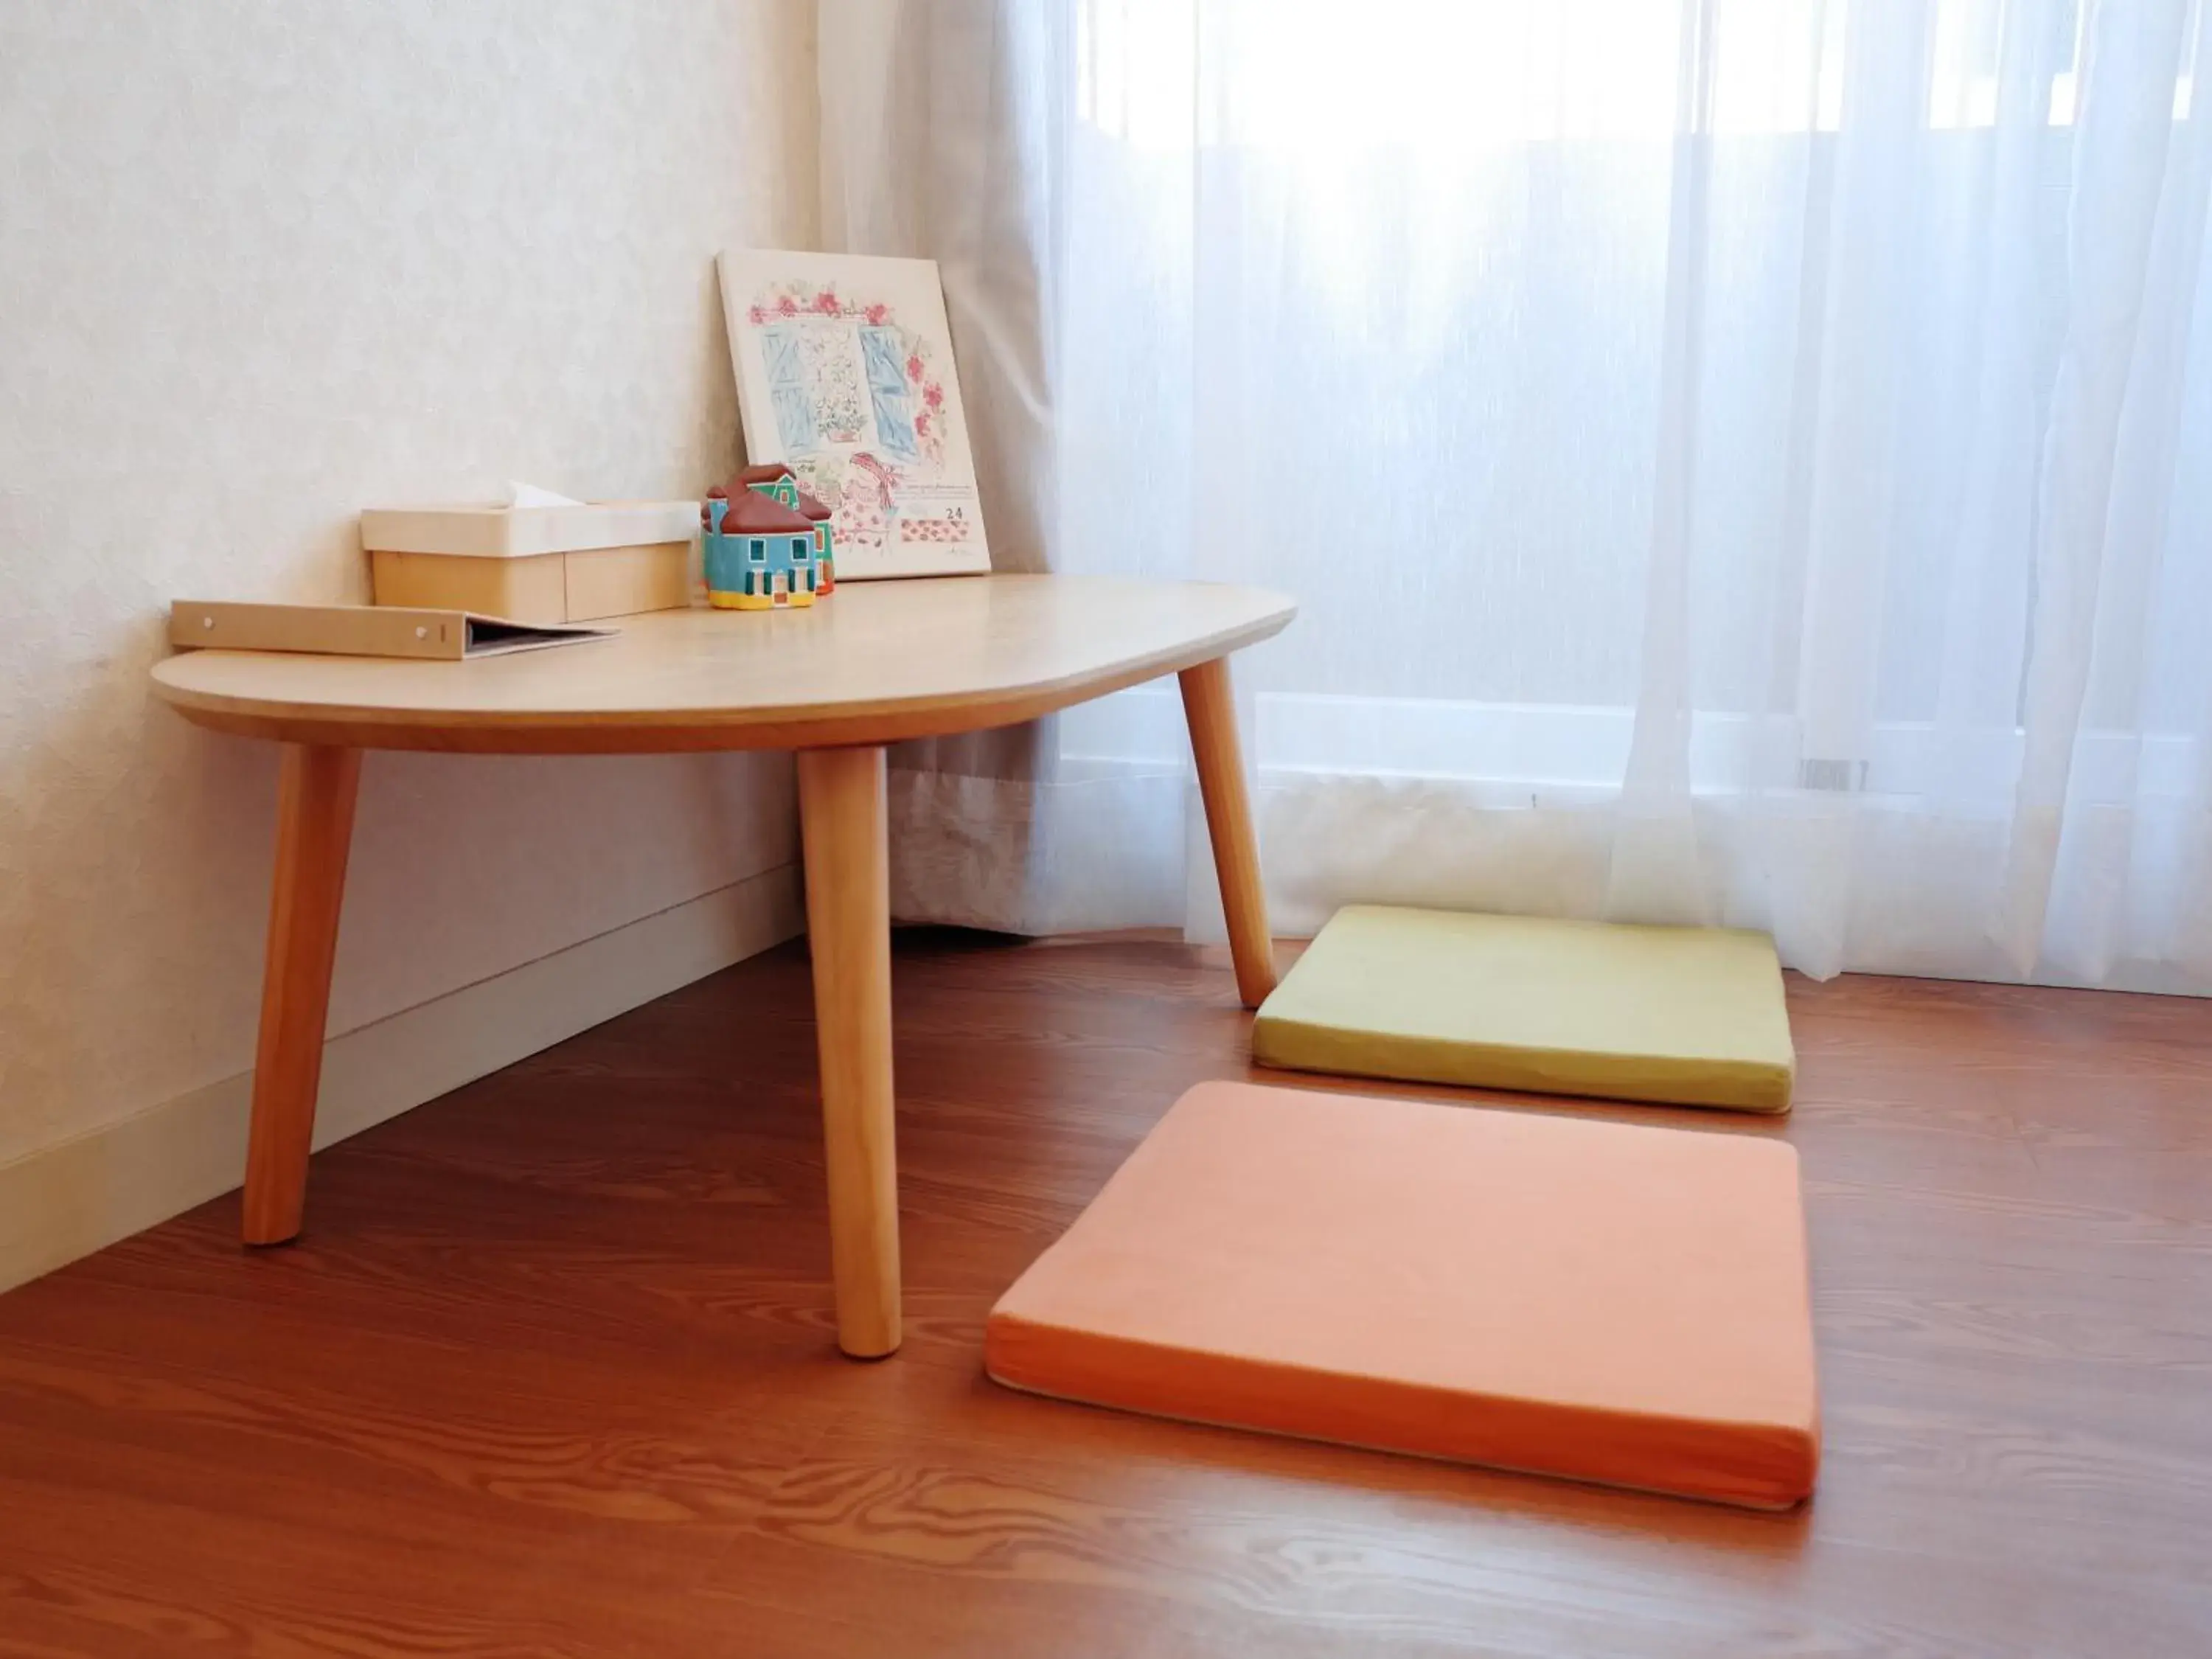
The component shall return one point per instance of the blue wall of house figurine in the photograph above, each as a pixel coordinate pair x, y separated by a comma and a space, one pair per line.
768, 543
776, 480
760, 554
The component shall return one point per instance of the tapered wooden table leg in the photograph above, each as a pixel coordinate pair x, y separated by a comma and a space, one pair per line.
316, 790
1211, 710
848, 921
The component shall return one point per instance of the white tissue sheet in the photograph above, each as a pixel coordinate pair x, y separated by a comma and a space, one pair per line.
529, 494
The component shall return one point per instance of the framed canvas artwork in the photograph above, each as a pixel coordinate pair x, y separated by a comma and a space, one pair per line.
845, 374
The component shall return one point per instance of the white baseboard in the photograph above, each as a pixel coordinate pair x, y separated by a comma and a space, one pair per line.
70, 1200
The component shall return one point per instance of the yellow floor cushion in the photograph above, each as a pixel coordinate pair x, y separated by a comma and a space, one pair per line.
1684, 1016
1610, 1302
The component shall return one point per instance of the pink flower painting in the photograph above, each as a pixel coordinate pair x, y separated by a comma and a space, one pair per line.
825, 338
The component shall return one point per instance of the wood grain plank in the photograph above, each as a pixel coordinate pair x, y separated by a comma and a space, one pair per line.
551, 1373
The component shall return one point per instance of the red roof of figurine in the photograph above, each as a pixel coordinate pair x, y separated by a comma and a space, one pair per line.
751, 514
811, 507
767, 474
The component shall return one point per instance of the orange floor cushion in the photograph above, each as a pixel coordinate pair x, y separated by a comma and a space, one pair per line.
1610, 1302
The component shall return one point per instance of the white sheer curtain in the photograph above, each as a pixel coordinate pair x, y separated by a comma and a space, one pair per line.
1744, 461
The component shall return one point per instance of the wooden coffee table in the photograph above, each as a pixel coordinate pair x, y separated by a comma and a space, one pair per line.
878, 662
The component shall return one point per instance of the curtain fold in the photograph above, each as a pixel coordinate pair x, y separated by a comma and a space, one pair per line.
1740, 461
938, 133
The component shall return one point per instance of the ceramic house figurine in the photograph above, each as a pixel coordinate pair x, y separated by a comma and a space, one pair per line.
776, 479
759, 553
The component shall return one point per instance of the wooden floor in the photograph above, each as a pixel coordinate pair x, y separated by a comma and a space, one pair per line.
551, 1372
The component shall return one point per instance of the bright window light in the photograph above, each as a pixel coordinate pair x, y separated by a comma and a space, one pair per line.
1457, 77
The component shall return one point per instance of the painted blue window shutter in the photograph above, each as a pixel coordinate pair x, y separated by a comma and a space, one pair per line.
787, 383
888, 392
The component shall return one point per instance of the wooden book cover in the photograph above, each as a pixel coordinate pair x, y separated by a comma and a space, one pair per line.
363, 630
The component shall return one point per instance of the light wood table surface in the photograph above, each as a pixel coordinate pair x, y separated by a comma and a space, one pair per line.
875, 663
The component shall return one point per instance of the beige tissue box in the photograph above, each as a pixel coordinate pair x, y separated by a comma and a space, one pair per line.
534, 564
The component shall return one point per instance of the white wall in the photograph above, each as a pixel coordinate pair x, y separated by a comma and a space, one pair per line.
261, 265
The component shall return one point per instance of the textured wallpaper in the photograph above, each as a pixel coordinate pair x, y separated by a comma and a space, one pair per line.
261, 265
